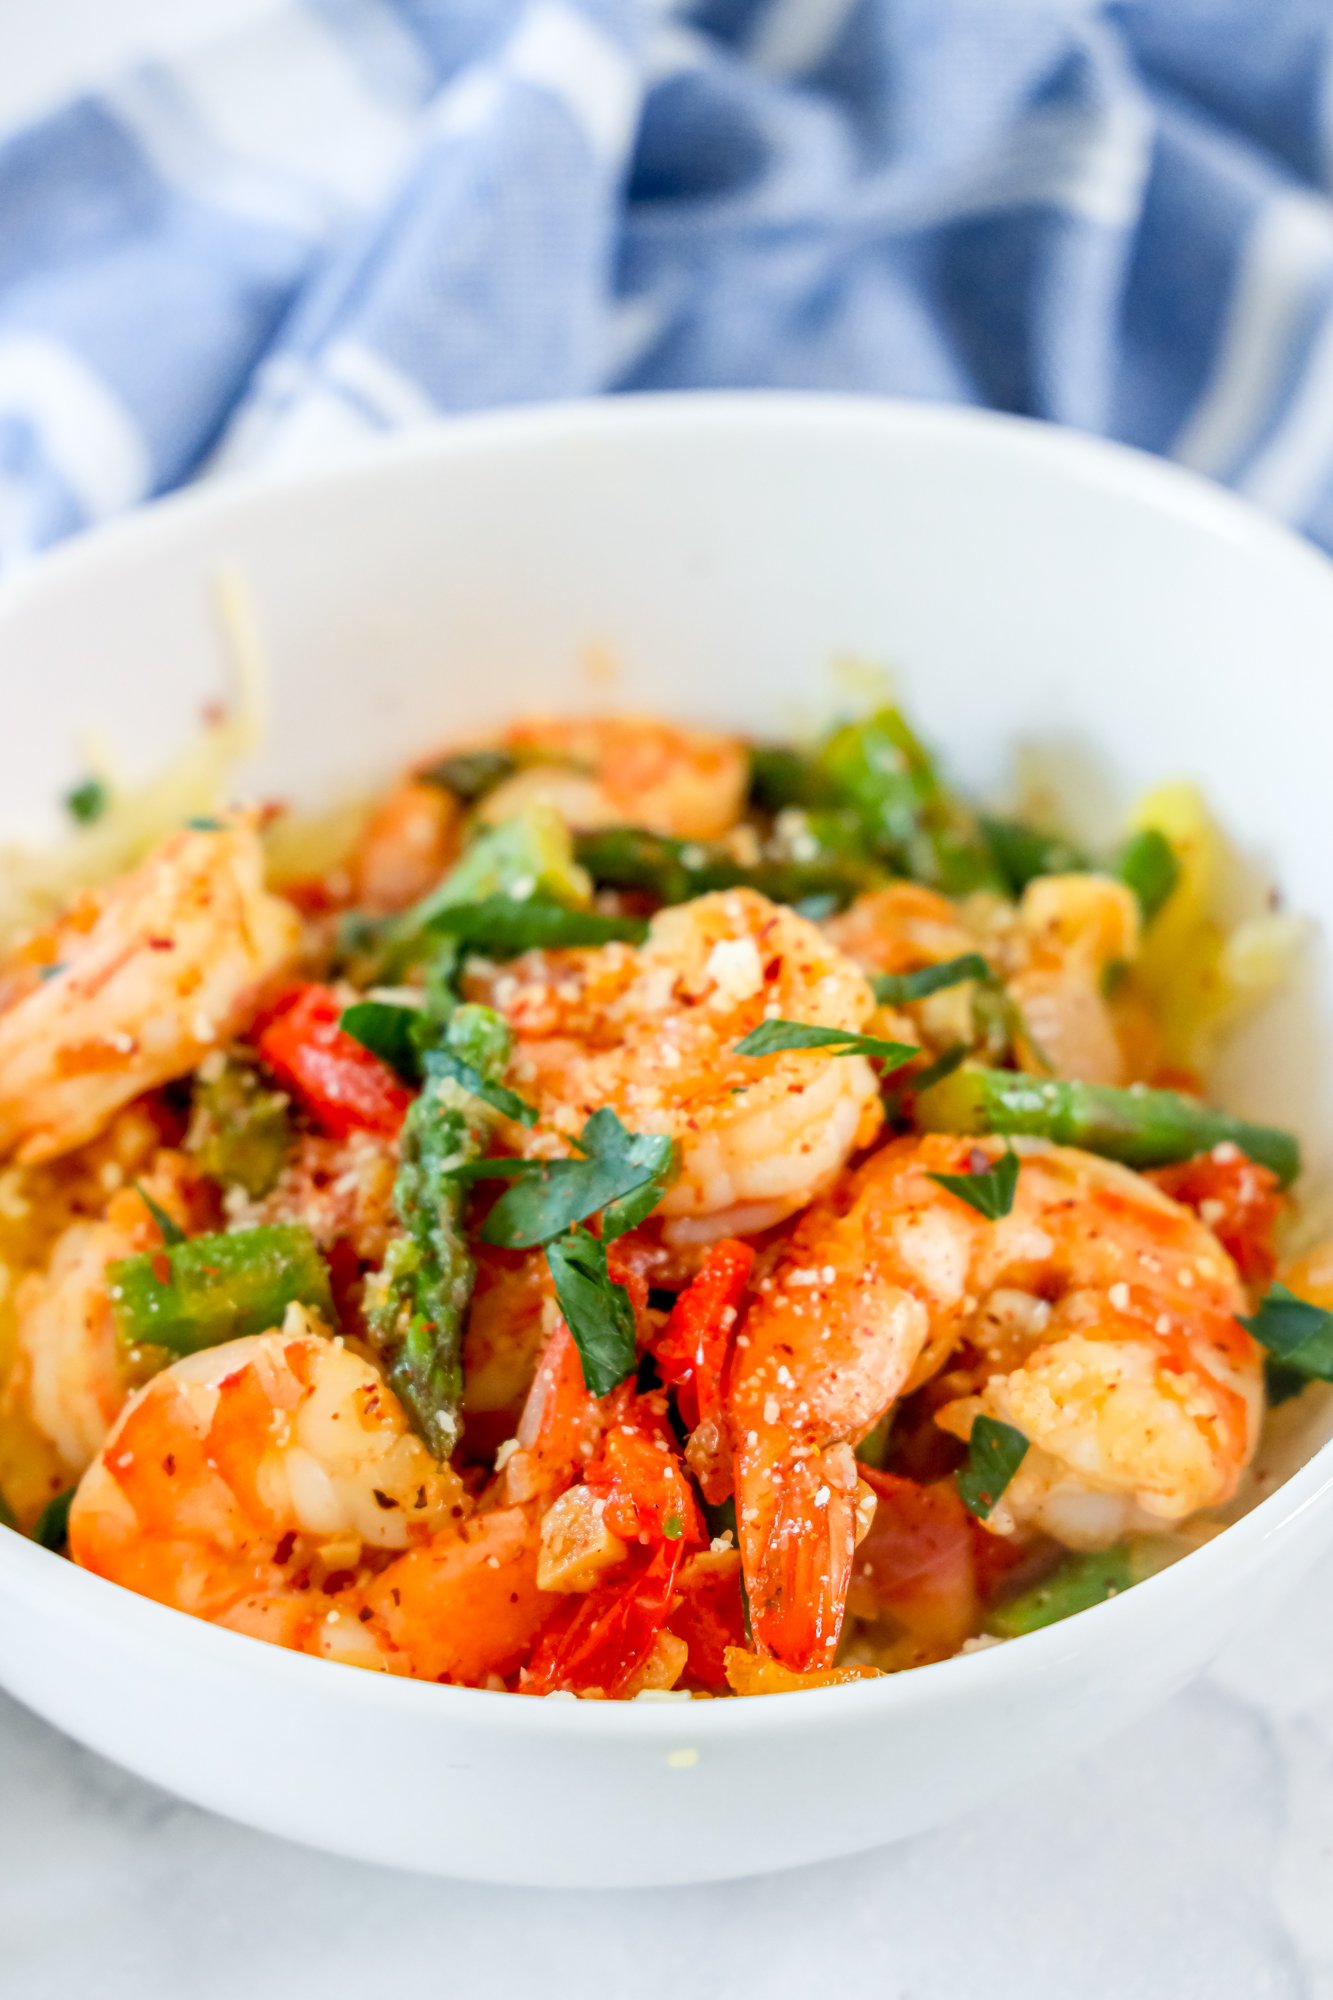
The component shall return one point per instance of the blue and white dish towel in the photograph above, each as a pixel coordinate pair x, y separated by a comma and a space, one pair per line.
351, 215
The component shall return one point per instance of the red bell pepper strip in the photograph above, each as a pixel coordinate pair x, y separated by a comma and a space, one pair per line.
601, 1640
645, 1493
342, 1086
691, 1351
710, 1617
918, 1562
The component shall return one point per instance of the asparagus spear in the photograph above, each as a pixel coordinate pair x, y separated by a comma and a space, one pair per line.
415, 1304
215, 1288
878, 772
630, 857
1141, 1127
1077, 1583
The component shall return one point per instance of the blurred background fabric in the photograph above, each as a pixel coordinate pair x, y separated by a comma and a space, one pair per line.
347, 216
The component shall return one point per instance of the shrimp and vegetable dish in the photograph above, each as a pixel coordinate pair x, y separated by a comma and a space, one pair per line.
641, 1212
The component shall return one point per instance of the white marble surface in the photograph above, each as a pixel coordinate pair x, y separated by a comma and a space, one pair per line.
1193, 1858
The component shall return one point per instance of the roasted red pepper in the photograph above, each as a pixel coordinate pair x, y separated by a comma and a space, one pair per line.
1239, 1200
711, 1614
691, 1350
342, 1086
917, 1565
602, 1639
646, 1495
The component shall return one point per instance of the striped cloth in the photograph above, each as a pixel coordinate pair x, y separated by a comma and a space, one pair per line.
351, 215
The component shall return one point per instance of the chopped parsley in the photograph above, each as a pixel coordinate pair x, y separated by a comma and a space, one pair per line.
171, 1229
1297, 1335
622, 1173
87, 801
989, 1189
897, 989
597, 1311
994, 1453
773, 1038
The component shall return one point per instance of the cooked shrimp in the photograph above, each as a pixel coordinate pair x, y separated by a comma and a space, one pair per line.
170, 966
652, 1032
605, 770
237, 1474
73, 1374
272, 1485
409, 841
899, 928
464, 1607
1104, 1317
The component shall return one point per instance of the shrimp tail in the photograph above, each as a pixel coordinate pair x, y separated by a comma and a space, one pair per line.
797, 1546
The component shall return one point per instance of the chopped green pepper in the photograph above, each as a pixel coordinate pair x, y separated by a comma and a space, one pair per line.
215, 1288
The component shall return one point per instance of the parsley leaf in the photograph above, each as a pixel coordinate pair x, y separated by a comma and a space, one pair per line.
87, 801
991, 1191
994, 1453
387, 1031
496, 1169
596, 1310
1298, 1335
51, 1527
1147, 864
621, 1172
470, 774
894, 989
921, 1080
171, 1230
504, 926
205, 823
772, 1038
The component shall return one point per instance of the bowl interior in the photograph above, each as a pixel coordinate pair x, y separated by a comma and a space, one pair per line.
713, 557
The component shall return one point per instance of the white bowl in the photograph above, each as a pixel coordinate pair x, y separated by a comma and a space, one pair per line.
1024, 583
